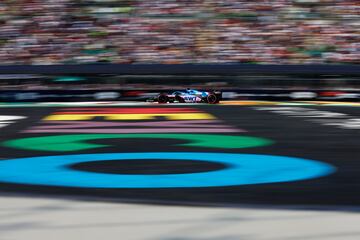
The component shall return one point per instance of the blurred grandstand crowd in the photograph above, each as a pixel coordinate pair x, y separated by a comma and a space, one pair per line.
179, 31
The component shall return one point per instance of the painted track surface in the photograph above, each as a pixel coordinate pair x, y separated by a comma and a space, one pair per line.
301, 136
319, 208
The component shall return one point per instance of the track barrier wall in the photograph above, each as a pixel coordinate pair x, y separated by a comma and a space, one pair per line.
144, 95
231, 92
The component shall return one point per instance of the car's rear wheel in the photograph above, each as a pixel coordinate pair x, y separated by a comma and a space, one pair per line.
212, 99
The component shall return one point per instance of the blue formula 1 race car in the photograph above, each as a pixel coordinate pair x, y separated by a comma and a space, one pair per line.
189, 96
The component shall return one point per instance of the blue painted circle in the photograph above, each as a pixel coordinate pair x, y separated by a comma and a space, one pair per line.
240, 169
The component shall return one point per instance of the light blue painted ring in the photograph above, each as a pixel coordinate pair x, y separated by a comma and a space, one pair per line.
241, 169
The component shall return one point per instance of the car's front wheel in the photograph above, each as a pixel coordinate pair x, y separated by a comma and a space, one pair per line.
163, 98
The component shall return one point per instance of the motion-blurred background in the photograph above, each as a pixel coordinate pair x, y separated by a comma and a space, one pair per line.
266, 35
179, 31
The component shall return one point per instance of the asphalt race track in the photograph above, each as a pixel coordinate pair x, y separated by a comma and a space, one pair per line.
224, 155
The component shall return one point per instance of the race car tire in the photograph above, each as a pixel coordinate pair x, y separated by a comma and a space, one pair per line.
163, 98
212, 99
